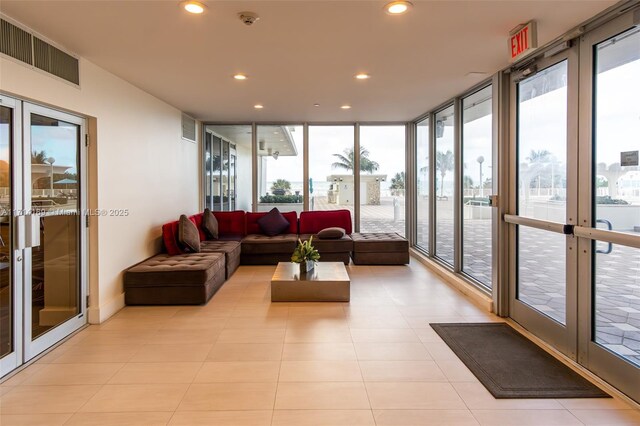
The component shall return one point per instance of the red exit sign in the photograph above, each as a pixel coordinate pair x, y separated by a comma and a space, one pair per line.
523, 40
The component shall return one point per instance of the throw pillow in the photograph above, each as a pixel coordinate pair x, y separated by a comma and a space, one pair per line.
273, 223
334, 233
188, 236
210, 225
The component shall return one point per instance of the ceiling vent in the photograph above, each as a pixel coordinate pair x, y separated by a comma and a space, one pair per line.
29, 49
188, 128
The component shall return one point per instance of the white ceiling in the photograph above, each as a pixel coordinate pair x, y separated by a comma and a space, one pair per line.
300, 52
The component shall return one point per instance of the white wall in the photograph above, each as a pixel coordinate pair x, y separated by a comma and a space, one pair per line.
244, 176
142, 165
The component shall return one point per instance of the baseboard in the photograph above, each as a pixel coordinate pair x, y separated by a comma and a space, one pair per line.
100, 314
476, 296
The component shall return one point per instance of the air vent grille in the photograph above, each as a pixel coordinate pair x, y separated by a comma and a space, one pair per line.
15, 42
25, 47
188, 128
55, 61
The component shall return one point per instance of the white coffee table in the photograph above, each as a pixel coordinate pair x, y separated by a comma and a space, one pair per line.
327, 282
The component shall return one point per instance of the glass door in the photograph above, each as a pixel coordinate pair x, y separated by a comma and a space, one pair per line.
54, 294
542, 266
10, 271
609, 225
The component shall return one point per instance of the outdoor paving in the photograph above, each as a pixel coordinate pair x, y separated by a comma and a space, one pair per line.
542, 262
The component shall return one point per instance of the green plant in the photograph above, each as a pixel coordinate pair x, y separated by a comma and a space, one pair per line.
304, 252
347, 161
281, 185
281, 199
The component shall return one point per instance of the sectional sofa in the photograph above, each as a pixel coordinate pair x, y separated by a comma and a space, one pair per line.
175, 277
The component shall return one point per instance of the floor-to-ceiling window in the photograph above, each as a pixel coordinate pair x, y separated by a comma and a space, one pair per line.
423, 187
445, 184
382, 179
477, 165
331, 167
280, 167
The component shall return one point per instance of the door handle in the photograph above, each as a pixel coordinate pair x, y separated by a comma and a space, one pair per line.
609, 228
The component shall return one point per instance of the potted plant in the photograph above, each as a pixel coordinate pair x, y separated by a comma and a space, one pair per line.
305, 255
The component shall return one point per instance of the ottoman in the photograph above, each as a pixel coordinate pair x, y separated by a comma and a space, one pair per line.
379, 249
185, 279
231, 250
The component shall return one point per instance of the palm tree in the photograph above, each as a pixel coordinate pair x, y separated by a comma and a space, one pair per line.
347, 161
397, 183
444, 163
39, 157
281, 185
467, 182
538, 160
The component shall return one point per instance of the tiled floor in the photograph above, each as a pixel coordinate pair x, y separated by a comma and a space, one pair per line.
241, 360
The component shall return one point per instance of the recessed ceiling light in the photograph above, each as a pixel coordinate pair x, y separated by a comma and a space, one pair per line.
362, 76
194, 7
316, 105
258, 106
346, 107
240, 77
398, 7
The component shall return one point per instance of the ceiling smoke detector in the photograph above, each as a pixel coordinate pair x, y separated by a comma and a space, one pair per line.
248, 18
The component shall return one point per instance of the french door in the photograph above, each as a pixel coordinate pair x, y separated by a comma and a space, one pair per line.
575, 202
42, 229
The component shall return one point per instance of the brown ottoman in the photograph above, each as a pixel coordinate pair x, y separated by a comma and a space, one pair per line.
380, 249
231, 250
258, 249
185, 279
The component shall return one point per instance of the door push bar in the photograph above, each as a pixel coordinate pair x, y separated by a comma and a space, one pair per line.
609, 244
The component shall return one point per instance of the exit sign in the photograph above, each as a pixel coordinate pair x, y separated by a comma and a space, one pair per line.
523, 40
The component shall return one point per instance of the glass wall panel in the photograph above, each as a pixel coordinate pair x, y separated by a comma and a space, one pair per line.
477, 141
228, 166
445, 183
422, 191
382, 179
280, 168
6, 218
616, 194
331, 157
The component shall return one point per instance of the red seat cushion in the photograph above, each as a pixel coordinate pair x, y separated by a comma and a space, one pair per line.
170, 238
231, 224
315, 221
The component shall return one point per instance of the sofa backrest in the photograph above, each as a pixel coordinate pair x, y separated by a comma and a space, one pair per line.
230, 224
313, 222
252, 226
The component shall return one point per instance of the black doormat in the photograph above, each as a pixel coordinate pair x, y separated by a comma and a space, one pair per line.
511, 366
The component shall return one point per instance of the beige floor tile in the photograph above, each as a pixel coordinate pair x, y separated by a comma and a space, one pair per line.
322, 396
427, 335
97, 354
456, 371
320, 371
476, 396
424, 417
440, 351
391, 351
318, 352
323, 418
256, 322
196, 323
119, 419
594, 404
245, 352
413, 396
114, 337
318, 335
172, 353
19, 377
307, 322
229, 397
247, 371
401, 371
608, 417
127, 323
252, 335
395, 321
156, 372
136, 398
34, 419
184, 337
47, 399
222, 418
525, 417
261, 311
74, 374
382, 335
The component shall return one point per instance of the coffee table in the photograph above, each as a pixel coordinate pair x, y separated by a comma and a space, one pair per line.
327, 282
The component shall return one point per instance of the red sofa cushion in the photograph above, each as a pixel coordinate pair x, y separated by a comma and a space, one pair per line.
231, 224
197, 219
170, 238
315, 221
252, 226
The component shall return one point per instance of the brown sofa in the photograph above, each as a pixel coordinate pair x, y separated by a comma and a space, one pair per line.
312, 222
261, 249
379, 249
